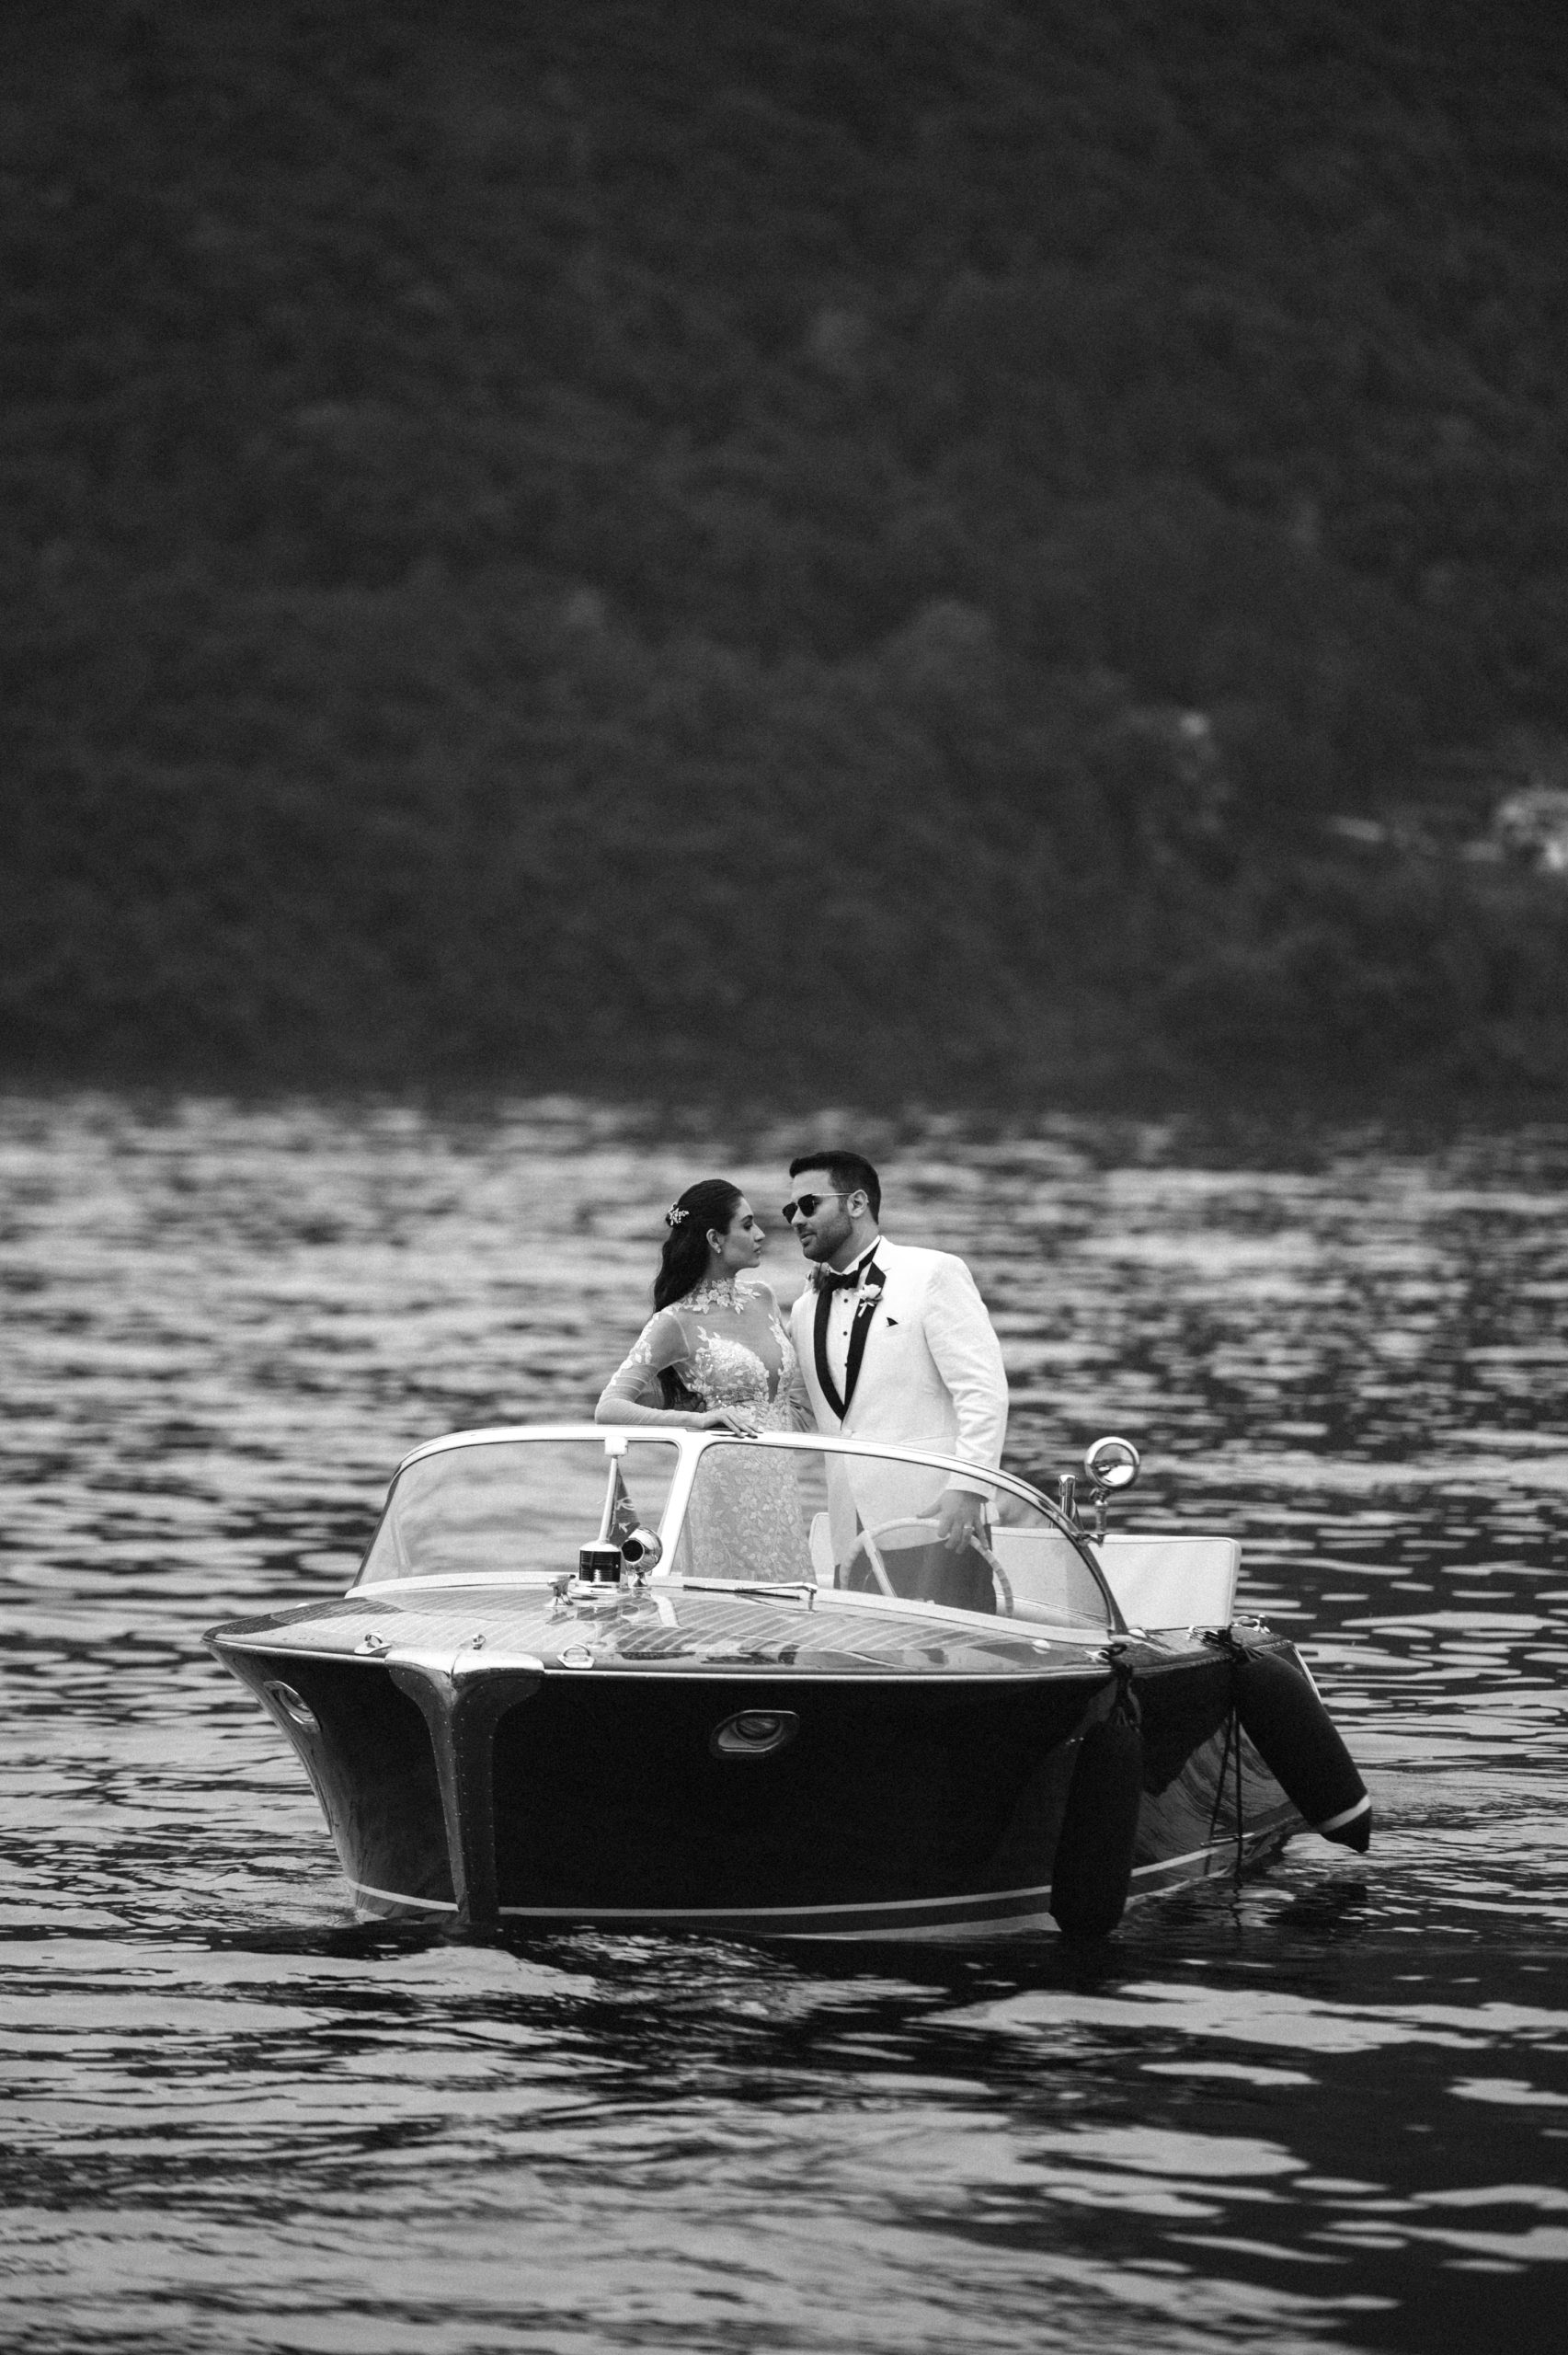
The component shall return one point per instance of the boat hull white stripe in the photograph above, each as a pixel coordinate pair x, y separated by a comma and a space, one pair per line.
771, 1912
395, 1897
977, 1909
1190, 1857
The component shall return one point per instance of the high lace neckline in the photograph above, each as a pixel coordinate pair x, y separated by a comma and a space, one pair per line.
714, 1291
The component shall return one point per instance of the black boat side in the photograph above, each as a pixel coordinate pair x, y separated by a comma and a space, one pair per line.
786, 1764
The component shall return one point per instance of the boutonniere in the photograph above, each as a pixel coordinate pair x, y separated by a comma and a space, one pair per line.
870, 1291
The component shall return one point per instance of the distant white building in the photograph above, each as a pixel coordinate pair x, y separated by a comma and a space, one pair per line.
1531, 827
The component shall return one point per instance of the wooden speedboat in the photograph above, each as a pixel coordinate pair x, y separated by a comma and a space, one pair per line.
686, 1680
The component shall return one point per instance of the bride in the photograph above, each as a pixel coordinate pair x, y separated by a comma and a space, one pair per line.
715, 1357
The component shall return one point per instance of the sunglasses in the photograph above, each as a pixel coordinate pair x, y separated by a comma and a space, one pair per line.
806, 1204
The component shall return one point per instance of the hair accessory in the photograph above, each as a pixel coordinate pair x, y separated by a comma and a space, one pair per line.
674, 1215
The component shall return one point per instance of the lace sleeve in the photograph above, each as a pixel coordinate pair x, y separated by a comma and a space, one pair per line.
632, 1393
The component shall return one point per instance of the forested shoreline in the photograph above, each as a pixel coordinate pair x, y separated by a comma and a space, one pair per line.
857, 546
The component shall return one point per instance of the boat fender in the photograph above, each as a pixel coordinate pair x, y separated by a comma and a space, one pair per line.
1093, 1867
1292, 1732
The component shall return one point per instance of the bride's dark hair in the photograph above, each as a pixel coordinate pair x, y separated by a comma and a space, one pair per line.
710, 1203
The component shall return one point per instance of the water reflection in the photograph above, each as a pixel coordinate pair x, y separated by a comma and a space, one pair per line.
1327, 2109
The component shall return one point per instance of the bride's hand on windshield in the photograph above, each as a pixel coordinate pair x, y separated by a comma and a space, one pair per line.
739, 1419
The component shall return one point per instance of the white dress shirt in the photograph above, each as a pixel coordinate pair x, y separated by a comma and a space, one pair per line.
840, 1317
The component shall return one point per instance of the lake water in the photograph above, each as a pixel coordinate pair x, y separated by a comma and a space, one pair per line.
1327, 2109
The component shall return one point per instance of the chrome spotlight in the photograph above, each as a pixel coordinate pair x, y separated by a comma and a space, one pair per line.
1111, 1464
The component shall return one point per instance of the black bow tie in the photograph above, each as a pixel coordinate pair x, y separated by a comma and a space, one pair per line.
831, 1280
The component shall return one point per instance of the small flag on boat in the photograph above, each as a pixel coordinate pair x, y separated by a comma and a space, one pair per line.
620, 1519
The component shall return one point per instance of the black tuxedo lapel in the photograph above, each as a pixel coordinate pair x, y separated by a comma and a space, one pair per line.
819, 1345
872, 1280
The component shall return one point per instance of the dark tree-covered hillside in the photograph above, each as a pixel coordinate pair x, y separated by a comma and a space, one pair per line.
857, 544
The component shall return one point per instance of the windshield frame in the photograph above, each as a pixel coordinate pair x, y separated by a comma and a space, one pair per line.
691, 1445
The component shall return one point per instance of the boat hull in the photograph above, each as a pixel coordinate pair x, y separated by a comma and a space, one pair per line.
501, 1791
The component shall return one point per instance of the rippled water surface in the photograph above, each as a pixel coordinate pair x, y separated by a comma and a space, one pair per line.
1327, 2109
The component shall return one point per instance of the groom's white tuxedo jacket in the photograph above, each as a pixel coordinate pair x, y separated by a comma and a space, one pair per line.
929, 1374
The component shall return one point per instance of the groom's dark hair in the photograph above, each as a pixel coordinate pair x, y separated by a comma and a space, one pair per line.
847, 1170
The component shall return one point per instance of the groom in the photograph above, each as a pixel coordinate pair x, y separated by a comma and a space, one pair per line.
895, 1344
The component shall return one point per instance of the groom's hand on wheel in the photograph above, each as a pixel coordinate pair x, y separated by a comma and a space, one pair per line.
960, 1517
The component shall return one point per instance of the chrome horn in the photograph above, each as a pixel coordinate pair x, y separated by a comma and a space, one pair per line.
1111, 1464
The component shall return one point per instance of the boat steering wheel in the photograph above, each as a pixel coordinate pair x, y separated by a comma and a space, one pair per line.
868, 1547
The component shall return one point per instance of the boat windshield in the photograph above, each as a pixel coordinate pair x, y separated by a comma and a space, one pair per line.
510, 1506
764, 1514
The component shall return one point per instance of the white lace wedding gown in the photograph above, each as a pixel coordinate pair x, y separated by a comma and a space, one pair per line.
726, 1344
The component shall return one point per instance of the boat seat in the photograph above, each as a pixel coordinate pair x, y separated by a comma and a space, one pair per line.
1159, 1581
1045, 1573
1171, 1582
